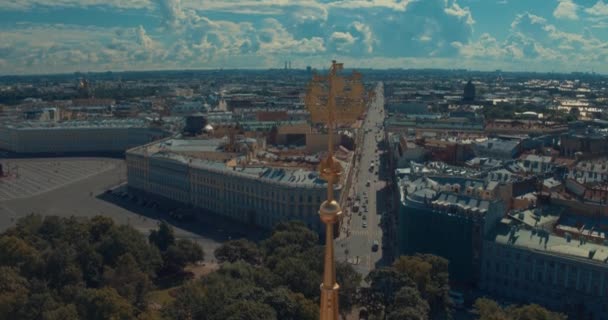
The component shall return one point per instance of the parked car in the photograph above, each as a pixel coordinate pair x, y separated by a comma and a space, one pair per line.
375, 245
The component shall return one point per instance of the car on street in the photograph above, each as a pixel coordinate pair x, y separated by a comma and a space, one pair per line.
375, 245
364, 224
364, 217
368, 183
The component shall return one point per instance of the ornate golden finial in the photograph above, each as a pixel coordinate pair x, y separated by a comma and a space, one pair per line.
332, 100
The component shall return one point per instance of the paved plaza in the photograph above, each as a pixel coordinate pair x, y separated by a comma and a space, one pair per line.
28, 177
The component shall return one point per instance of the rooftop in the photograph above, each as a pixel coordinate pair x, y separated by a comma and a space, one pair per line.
184, 151
510, 232
503, 145
81, 124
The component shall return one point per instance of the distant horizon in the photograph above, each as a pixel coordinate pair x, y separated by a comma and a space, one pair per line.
346, 68
55, 37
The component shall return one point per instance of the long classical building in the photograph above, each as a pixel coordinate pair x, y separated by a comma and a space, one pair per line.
112, 136
198, 173
524, 263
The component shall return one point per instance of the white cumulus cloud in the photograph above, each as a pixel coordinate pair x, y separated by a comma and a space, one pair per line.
566, 9
600, 9
342, 40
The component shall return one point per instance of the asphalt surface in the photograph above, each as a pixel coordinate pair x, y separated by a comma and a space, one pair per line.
24, 178
356, 245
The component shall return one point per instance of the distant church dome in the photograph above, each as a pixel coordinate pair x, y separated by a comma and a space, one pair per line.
469, 92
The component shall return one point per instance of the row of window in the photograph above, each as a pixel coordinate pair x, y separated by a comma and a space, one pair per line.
563, 276
257, 190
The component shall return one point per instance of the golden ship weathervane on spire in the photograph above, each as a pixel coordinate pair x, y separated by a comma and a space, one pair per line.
333, 100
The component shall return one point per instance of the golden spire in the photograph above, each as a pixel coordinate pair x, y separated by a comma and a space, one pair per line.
332, 100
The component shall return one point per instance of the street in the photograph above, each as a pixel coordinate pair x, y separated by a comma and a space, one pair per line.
361, 242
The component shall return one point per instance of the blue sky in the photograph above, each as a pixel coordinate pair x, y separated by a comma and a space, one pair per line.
55, 36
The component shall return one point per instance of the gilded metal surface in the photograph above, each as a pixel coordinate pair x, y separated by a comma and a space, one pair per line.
332, 100
349, 95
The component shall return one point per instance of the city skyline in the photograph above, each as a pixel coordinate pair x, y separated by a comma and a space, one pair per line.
42, 36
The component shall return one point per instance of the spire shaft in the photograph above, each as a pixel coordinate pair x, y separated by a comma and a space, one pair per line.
321, 102
330, 211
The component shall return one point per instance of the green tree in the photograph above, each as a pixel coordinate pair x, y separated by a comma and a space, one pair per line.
61, 266
13, 292
178, 255
190, 303
99, 226
430, 274
384, 283
349, 280
533, 312
17, 253
240, 249
124, 239
211, 297
406, 314
247, 310
91, 264
296, 274
162, 238
488, 309
68, 230
424, 276
45, 304
58, 268
63, 312
128, 280
409, 305
259, 276
291, 306
102, 304
287, 239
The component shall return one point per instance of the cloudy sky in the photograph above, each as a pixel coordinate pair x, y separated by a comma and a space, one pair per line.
53, 36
